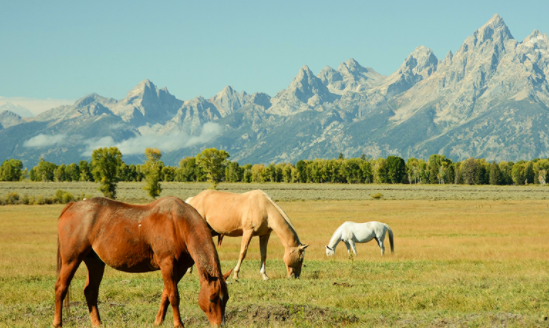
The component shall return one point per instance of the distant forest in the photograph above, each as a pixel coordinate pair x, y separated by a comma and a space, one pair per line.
392, 170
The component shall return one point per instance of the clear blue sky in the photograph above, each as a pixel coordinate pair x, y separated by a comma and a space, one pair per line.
68, 49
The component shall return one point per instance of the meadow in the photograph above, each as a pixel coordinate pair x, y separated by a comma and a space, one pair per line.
464, 257
133, 191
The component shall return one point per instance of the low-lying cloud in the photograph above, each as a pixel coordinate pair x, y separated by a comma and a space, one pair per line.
36, 106
165, 142
43, 140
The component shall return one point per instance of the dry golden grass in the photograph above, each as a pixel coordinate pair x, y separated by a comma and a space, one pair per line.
424, 230
456, 263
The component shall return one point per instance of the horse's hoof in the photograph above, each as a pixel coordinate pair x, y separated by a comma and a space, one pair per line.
265, 278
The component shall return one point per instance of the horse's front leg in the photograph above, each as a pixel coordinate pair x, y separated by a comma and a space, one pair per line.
246, 238
164, 300
348, 248
353, 246
171, 277
263, 241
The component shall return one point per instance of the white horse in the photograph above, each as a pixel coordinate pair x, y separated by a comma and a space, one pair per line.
352, 232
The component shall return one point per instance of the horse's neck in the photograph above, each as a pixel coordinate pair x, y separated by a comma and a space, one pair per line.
336, 238
203, 253
203, 260
285, 232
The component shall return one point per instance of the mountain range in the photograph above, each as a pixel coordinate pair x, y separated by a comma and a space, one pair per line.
490, 99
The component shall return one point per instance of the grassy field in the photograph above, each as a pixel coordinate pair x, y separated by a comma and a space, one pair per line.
133, 191
464, 263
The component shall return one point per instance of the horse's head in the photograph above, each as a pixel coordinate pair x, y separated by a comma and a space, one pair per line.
213, 297
329, 251
293, 257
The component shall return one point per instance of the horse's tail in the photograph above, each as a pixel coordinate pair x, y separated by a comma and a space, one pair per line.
390, 238
219, 240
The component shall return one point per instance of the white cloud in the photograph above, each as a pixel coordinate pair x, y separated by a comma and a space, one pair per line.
43, 140
166, 142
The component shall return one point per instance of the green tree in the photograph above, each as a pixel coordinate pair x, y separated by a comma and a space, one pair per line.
233, 172
287, 173
44, 171
213, 162
351, 170
168, 173
72, 172
59, 173
495, 174
85, 171
506, 170
380, 170
396, 169
247, 173
105, 165
258, 173
440, 170
517, 173
188, 170
529, 175
412, 170
302, 171
11, 170
152, 170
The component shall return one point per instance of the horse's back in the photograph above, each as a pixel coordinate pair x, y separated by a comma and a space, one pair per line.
231, 213
362, 232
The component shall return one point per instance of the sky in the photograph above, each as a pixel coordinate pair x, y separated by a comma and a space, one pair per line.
54, 52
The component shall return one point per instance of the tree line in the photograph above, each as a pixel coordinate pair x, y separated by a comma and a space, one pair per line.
106, 166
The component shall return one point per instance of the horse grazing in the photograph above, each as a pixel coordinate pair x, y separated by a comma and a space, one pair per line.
166, 235
352, 232
248, 215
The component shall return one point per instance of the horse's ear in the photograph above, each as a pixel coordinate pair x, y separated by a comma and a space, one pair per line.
226, 275
302, 247
328, 247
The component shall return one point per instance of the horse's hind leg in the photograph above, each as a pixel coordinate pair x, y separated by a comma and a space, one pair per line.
62, 287
165, 300
381, 244
96, 268
263, 241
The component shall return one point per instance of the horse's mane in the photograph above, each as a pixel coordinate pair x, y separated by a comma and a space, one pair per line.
282, 213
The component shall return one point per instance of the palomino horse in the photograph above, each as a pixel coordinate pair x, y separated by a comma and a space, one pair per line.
351, 233
166, 235
248, 215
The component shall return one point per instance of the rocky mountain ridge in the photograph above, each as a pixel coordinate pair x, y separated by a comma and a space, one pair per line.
490, 99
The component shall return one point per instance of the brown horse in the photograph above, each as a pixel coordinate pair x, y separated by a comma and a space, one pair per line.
166, 235
247, 215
